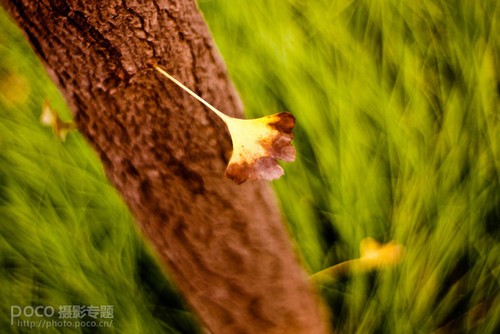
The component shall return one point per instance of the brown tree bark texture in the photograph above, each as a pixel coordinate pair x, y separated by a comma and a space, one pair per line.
224, 244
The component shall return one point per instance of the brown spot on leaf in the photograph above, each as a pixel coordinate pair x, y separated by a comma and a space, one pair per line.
238, 172
285, 123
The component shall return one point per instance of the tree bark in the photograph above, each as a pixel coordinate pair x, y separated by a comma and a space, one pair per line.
223, 244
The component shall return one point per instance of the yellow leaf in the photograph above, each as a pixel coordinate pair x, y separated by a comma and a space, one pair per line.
374, 254
14, 87
50, 118
257, 143
47, 116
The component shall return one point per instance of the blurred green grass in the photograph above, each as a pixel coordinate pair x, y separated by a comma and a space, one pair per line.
398, 123
397, 107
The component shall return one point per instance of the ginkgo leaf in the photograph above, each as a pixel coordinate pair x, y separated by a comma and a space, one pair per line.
47, 116
373, 255
50, 118
257, 143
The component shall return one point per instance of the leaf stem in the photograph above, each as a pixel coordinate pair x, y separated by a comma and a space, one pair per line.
223, 116
333, 272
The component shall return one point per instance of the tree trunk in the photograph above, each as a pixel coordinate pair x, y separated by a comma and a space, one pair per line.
223, 244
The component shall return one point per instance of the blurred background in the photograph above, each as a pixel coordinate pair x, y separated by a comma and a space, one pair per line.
397, 137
